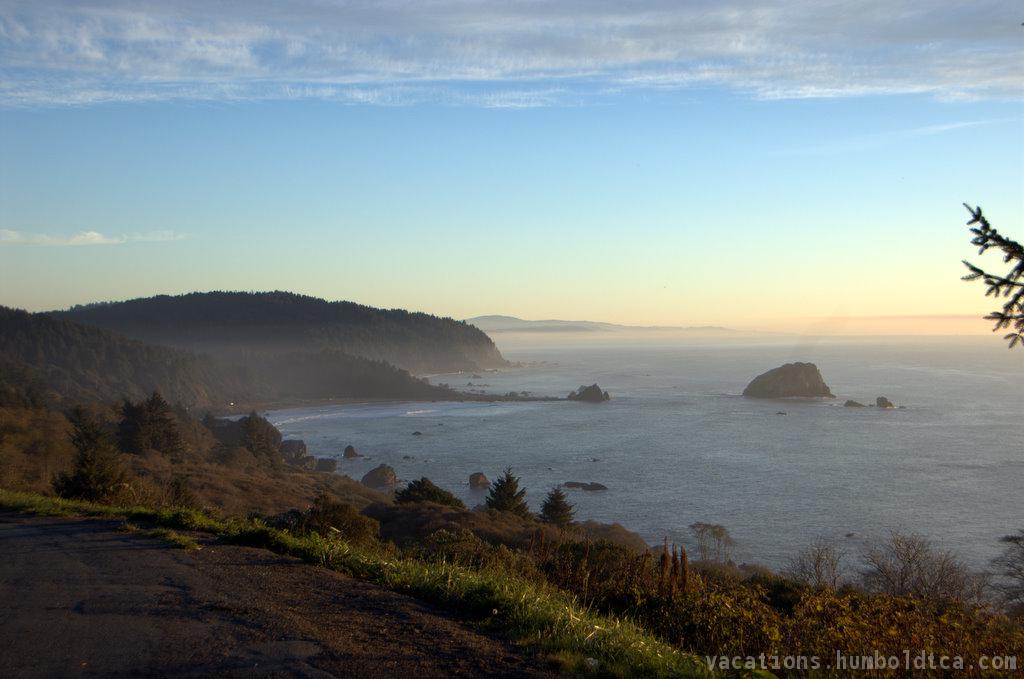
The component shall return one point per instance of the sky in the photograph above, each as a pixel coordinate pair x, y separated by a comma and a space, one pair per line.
757, 164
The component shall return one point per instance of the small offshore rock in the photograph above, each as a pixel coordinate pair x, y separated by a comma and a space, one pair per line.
350, 452
591, 394
478, 480
585, 486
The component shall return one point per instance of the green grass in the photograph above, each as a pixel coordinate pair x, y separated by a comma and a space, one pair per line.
172, 537
532, 613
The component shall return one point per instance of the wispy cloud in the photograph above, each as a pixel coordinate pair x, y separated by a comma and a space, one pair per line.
868, 142
487, 52
8, 237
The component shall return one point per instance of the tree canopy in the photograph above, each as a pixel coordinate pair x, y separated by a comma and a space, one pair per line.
424, 490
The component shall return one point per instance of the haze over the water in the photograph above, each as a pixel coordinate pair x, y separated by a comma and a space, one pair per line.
756, 166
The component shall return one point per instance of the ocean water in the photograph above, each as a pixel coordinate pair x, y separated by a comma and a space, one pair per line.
678, 444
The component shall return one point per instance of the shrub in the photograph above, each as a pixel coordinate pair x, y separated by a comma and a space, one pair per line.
424, 490
178, 493
1010, 568
327, 517
909, 565
819, 565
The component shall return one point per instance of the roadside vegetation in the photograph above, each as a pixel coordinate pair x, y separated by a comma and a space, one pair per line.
171, 537
531, 612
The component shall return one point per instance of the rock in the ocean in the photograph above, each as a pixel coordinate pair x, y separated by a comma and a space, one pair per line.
326, 464
479, 480
380, 477
417, 433
585, 486
790, 380
591, 394
351, 452
883, 402
853, 404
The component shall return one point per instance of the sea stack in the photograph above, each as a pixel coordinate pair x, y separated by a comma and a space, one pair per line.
793, 380
591, 394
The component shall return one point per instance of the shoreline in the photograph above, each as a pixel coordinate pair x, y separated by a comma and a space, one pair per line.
457, 397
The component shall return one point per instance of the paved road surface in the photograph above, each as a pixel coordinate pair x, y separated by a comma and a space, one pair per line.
78, 598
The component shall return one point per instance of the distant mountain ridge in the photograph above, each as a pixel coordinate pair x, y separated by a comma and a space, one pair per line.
498, 323
229, 325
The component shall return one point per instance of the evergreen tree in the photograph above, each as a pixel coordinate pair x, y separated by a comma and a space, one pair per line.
97, 473
1009, 286
149, 425
506, 496
163, 423
261, 437
557, 509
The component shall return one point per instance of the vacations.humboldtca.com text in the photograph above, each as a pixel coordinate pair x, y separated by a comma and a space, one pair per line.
907, 660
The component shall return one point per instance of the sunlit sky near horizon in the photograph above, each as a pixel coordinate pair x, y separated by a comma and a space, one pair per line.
755, 164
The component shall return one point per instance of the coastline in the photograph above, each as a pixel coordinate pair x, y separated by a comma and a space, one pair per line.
457, 397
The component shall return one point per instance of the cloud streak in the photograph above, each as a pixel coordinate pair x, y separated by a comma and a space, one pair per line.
535, 52
9, 237
870, 142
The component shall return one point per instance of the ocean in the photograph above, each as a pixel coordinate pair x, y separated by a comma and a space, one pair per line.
677, 444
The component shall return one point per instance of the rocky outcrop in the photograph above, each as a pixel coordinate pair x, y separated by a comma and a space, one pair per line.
326, 464
380, 477
351, 452
853, 404
585, 486
293, 451
883, 402
591, 394
792, 380
479, 480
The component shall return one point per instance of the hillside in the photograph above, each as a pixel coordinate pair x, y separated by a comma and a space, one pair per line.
231, 324
45, 360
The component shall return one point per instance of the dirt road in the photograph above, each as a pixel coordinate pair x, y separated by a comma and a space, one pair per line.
79, 598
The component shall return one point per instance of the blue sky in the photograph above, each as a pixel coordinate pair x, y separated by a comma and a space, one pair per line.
749, 164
